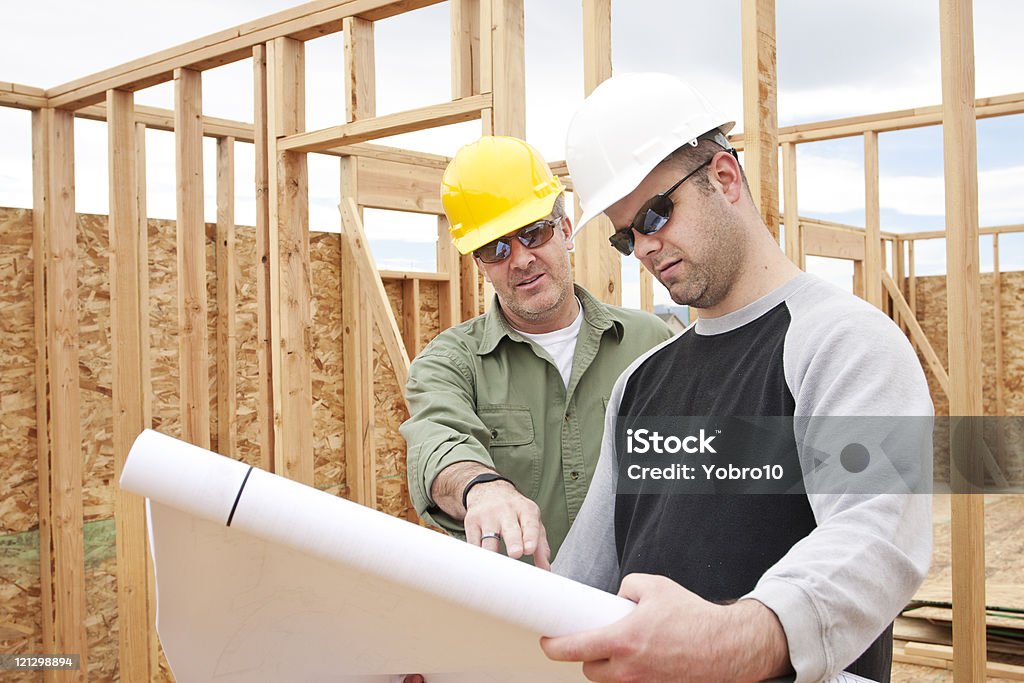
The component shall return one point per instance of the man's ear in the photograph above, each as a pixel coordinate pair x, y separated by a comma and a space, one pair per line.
567, 232
726, 170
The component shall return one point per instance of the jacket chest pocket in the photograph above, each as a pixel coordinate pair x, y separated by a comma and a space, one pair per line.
513, 445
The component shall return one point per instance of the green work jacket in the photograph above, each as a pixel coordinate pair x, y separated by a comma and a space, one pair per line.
482, 392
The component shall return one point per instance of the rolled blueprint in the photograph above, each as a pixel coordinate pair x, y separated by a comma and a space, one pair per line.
260, 578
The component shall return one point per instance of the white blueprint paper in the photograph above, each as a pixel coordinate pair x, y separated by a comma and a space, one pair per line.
305, 586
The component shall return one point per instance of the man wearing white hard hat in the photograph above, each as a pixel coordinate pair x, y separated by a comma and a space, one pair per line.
506, 409
734, 587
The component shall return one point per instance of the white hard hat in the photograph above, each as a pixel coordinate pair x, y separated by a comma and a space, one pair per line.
625, 128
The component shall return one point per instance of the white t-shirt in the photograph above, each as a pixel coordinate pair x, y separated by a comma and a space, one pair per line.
561, 344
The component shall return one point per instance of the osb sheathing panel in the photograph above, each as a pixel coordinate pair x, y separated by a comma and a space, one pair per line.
328, 365
247, 375
20, 630
931, 312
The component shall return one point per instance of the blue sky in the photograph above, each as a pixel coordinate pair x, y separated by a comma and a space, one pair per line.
835, 59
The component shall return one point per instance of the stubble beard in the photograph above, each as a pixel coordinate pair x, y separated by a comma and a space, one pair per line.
541, 304
707, 281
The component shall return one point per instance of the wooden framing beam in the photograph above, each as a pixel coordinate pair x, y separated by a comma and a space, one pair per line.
901, 282
380, 307
794, 248
265, 406
21, 96
447, 265
62, 552
127, 336
291, 286
357, 338
310, 20
831, 242
433, 116
760, 108
399, 187
917, 335
598, 267
872, 237
941, 234
193, 347
956, 24
227, 269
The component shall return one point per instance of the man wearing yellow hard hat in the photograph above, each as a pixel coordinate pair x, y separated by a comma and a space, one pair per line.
506, 409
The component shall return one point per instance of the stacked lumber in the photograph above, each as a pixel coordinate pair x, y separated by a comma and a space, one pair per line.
923, 633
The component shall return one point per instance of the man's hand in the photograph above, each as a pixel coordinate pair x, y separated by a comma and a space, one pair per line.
496, 510
674, 635
496, 507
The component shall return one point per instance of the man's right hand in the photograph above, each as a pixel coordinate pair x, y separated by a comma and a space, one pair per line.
495, 512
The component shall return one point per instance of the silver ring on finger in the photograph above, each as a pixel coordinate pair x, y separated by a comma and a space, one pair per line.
494, 534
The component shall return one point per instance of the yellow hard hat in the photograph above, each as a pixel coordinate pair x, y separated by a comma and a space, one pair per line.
494, 186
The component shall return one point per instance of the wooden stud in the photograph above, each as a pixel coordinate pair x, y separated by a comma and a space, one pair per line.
448, 265
127, 337
792, 217
508, 68
872, 239
911, 280
858, 277
361, 456
60, 484
901, 282
435, 115
360, 73
646, 290
997, 327
42, 133
964, 309
411, 315
380, 306
598, 267
760, 108
469, 288
465, 47
227, 276
193, 346
265, 406
291, 286
945, 653
147, 379
357, 337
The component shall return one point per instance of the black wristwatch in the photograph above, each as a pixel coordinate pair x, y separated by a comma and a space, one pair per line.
481, 479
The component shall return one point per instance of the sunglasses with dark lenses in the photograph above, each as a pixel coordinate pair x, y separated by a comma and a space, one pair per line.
651, 217
530, 236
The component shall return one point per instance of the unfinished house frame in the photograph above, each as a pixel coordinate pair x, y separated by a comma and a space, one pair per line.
487, 85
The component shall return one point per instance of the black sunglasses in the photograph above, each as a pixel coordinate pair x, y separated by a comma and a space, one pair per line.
651, 217
530, 236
